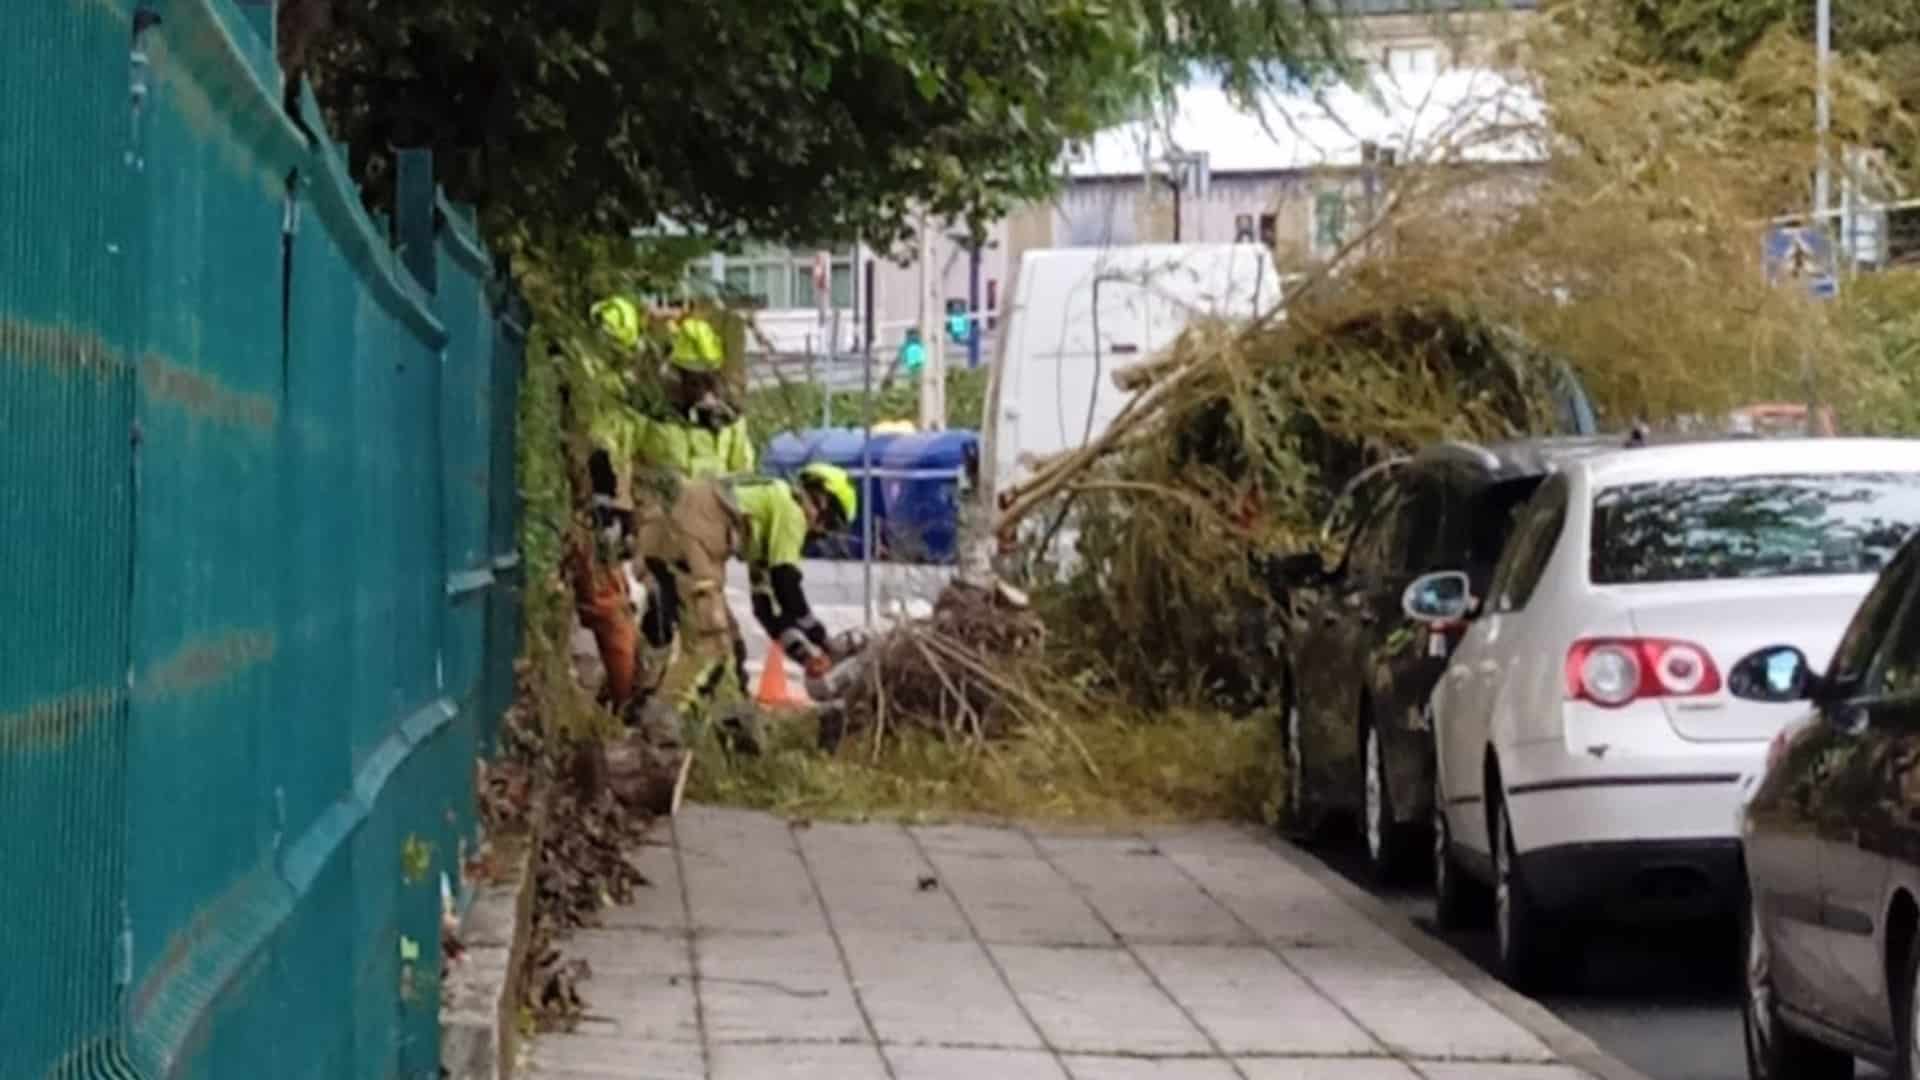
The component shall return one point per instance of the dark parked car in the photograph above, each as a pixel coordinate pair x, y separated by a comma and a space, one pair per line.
1831, 840
1357, 737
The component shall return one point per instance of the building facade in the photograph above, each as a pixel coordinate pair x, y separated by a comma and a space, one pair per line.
1302, 187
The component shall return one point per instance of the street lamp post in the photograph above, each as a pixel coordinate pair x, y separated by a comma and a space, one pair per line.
1184, 170
1822, 115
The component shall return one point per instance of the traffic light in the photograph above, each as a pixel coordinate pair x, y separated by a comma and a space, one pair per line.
913, 355
959, 326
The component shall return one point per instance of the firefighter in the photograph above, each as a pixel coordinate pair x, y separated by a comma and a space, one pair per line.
779, 520
695, 435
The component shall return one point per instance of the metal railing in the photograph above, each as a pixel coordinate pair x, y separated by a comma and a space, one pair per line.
258, 604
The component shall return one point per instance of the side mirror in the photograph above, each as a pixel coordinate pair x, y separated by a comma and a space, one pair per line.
1445, 597
1777, 673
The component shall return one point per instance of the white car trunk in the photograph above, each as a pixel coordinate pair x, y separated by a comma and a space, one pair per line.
1732, 619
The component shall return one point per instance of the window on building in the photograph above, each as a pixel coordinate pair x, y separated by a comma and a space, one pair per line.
776, 279
1269, 229
1412, 61
804, 295
1243, 229
1329, 222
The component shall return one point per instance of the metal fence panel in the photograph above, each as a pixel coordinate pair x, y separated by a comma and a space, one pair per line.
241, 449
66, 379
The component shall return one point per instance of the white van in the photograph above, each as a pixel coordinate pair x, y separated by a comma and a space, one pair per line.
1080, 314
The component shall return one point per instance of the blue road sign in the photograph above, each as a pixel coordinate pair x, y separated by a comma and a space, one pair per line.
1802, 256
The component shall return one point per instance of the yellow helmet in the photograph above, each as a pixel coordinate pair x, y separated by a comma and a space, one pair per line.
833, 481
619, 319
696, 345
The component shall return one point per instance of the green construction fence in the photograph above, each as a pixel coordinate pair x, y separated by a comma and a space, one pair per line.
259, 591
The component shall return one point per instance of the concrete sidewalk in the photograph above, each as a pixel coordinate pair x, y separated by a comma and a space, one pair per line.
961, 953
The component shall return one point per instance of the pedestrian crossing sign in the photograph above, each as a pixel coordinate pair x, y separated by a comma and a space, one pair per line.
1802, 256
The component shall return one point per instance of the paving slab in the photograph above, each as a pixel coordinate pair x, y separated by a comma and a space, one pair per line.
757, 989
589, 1056
983, 841
1377, 1068
1020, 901
1252, 1003
1278, 902
947, 1063
937, 993
1092, 841
1097, 1001
642, 989
659, 904
790, 1061
1413, 1008
769, 950
1479, 1070
875, 880
1126, 1068
744, 875
1146, 897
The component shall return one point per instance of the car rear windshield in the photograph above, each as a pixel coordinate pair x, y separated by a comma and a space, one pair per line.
1708, 528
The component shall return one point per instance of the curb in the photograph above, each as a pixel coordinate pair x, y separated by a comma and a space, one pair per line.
480, 1003
1567, 1044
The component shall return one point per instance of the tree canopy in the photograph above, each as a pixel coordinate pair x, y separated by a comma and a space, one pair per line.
1714, 37
798, 120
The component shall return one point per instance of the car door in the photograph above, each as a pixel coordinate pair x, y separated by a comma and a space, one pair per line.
1404, 663
1476, 675
1861, 808
1783, 844
1339, 635
1781, 848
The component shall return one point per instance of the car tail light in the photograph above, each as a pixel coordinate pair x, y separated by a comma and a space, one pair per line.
1613, 672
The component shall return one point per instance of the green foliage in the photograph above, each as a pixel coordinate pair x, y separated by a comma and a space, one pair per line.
1879, 392
790, 120
1154, 766
1718, 38
797, 406
1714, 37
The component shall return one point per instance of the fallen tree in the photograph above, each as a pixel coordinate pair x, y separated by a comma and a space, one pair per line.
1616, 227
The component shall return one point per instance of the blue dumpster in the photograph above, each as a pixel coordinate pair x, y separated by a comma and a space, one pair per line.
923, 479
789, 451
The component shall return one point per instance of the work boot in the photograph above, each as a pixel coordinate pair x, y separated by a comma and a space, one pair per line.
738, 729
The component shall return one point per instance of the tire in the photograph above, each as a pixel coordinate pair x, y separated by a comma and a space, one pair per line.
1459, 902
1777, 1052
1906, 1016
1391, 849
1531, 947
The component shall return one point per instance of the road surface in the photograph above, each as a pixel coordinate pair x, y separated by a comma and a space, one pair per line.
1667, 1003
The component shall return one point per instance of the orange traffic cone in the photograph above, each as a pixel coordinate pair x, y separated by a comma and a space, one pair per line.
775, 691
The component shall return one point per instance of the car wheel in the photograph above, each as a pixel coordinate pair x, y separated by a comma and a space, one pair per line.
1459, 902
1775, 1051
1906, 1016
1529, 942
1390, 848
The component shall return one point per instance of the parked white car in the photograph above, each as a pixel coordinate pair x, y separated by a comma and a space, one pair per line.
1592, 743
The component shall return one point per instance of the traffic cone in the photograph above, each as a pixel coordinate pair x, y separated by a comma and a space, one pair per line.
775, 691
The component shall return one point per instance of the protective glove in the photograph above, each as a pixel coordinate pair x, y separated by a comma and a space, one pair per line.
818, 665
848, 643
